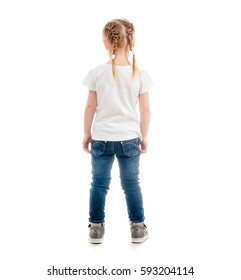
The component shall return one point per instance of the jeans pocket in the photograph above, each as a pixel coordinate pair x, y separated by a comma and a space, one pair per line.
97, 148
131, 147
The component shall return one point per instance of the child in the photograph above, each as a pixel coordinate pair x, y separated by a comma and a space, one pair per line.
115, 88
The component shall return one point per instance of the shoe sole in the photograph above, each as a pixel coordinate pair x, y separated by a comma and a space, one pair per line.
96, 240
139, 240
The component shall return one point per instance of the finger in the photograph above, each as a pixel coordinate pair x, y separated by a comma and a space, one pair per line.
143, 149
86, 148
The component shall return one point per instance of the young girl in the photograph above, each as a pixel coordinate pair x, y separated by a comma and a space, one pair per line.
118, 130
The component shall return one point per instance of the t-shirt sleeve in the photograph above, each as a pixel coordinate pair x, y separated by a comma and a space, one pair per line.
146, 81
89, 81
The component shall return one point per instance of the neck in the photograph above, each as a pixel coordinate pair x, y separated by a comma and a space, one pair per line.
121, 59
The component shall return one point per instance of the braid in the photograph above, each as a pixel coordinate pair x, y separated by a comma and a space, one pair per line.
113, 30
130, 36
130, 31
114, 41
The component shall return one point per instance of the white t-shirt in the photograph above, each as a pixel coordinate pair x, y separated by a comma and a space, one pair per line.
116, 116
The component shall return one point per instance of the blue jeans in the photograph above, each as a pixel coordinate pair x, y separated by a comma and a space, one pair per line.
103, 154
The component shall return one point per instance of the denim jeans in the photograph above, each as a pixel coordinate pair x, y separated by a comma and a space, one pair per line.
103, 154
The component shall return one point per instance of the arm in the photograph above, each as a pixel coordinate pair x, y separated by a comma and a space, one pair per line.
144, 107
89, 113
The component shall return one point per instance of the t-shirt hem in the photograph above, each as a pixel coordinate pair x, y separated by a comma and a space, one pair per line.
115, 138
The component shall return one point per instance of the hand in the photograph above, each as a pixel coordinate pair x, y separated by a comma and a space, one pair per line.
144, 145
85, 144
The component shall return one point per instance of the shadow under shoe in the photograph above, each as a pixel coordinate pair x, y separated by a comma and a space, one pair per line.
96, 233
139, 232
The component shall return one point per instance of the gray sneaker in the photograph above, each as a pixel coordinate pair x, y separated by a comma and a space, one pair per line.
139, 232
96, 233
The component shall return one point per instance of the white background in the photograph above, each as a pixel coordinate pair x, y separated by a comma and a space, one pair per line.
191, 174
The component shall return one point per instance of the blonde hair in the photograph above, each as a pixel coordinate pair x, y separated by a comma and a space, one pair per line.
120, 34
